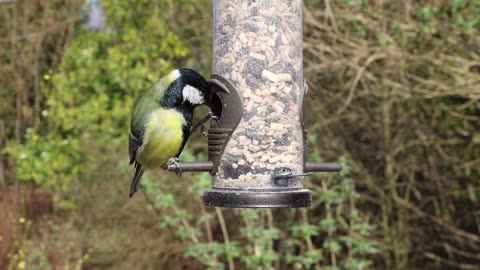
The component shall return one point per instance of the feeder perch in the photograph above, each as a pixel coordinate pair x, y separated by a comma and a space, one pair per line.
256, 138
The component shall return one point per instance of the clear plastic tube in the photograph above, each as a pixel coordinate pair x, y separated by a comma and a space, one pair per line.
258, 47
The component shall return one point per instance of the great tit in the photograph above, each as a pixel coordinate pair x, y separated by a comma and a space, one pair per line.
161, 120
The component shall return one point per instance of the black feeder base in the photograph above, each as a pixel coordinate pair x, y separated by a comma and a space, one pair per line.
241, 198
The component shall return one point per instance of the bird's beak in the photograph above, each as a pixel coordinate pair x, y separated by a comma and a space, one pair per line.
209, 96
208, 99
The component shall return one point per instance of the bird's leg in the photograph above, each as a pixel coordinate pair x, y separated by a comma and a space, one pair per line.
202, 122
175, 162
202, 129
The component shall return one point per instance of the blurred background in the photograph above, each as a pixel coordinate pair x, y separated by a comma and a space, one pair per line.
394, 96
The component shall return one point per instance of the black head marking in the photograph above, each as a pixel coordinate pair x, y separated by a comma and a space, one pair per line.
174, 95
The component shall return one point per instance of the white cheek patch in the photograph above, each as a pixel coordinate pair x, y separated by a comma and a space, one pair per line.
193, 95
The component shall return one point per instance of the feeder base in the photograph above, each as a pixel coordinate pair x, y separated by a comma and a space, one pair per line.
241, 198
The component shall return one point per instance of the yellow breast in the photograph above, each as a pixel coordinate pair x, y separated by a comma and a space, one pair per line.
163, 137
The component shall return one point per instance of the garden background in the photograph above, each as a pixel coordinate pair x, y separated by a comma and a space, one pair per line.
394, 96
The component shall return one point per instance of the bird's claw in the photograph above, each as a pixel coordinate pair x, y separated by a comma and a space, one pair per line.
175, 162
202, 128
202, 123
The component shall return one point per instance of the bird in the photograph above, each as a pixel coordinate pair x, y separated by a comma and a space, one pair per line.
161, 120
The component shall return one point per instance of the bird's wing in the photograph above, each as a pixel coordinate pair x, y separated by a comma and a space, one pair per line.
136, 178
134, 142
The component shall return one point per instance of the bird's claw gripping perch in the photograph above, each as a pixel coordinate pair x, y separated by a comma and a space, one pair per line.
201, 123
175, 162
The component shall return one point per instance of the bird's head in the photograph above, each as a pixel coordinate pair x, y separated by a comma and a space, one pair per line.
186, 87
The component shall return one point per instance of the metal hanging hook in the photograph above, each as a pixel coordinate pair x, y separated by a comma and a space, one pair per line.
289, 174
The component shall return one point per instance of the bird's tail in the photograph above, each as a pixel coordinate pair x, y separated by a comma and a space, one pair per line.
136, 178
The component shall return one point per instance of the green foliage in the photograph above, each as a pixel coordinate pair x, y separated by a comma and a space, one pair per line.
90, 96
49, 162
29, 254
207, 253
460, 13
343, 232
408, 126
101, 75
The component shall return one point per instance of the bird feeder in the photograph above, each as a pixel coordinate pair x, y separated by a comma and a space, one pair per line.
256, 139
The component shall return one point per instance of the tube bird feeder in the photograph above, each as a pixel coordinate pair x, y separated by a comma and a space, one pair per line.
256, 139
